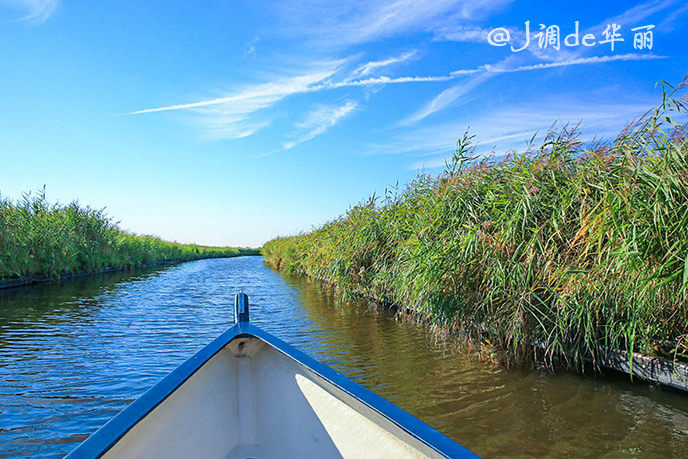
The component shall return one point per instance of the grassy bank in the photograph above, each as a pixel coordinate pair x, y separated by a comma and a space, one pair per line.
38, 238
563, 251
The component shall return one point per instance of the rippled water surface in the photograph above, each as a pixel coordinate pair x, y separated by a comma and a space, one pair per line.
73, 355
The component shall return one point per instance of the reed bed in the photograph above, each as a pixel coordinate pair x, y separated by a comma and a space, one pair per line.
556, 254
38, 238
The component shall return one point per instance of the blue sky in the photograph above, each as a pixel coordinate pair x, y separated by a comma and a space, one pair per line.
230, 122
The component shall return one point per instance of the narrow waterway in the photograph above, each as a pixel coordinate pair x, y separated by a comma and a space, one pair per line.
72, 355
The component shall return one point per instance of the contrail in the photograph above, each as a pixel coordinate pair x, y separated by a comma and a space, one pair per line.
276, 90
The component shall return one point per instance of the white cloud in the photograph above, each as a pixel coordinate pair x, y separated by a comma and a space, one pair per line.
448, 97
319, 120
669, 22
237, 115
363, 21
242, 113
633, 17
256, 96
465, 33
577, 61
250, 47
510, 128
365, 69
36, 11
259, 96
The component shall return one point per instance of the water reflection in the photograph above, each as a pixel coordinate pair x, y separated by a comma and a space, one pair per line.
72, 355
494, 411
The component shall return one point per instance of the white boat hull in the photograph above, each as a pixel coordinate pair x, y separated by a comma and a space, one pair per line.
249, 395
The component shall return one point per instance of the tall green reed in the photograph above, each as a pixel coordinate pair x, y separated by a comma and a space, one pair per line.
562, 252
38, 238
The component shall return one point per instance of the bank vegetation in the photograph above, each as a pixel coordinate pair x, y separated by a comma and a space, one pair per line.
39, 238
559, 253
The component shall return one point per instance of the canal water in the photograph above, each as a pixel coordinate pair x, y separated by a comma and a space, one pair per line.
73, 355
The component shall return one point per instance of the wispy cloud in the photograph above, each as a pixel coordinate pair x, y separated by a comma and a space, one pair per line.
239, 114
320, 120
250, 47
633, 16
244, 112
256, 97
363, 21
669, 22
578, 61
448, 97
35, 11
367, 68
464, 33
259, 96
511, 127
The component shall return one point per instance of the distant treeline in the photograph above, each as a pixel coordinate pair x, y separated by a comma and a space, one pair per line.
38, 238
564, 251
